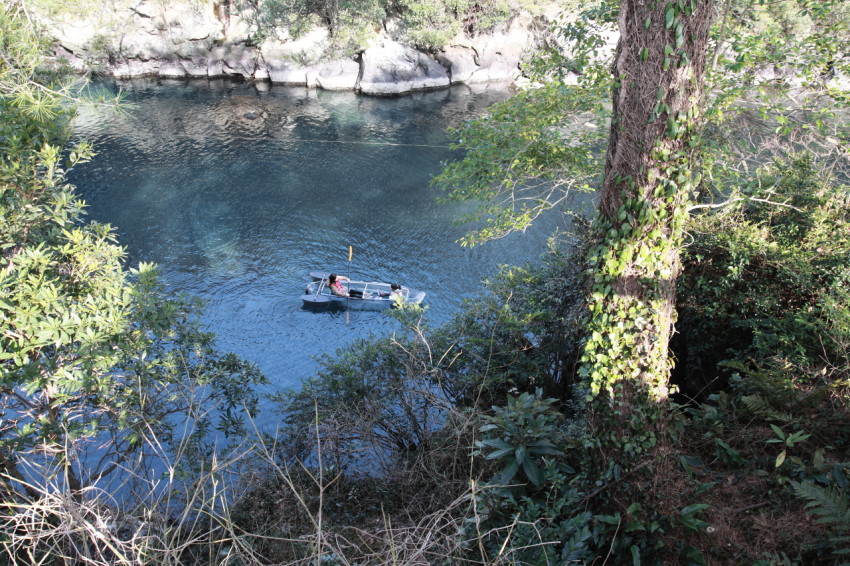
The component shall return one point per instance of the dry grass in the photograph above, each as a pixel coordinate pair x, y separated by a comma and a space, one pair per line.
752, 515
241, 508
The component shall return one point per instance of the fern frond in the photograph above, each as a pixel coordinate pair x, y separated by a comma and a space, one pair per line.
832, 505
757, 405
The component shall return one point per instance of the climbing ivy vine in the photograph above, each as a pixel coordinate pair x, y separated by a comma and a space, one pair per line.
659, 66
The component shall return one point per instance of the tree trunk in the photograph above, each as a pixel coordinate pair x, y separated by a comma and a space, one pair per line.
658, 70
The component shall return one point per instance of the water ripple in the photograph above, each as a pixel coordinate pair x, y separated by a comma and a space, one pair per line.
238, 194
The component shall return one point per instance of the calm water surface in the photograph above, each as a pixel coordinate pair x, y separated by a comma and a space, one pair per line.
237, 192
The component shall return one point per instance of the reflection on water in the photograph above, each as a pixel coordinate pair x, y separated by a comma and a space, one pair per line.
238, 193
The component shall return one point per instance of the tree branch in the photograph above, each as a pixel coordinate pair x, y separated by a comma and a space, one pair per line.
752, 199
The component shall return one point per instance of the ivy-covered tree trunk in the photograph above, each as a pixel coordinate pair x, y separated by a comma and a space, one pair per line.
658, 71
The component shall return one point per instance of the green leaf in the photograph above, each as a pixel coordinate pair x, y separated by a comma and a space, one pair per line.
499, 454
694, 508
533, 472
509, 472
496, 443
609, 519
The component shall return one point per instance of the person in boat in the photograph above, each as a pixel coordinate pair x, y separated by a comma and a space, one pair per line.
395, 293
338, 289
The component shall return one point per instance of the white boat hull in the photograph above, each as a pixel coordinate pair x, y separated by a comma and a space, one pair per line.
364, 294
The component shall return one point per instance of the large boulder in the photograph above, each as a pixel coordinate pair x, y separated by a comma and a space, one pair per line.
130, 68
236, 60
289, 61
77, 35
171, 68
143, 45
390, 68
460, 63
493, 57
284, 72
334, 75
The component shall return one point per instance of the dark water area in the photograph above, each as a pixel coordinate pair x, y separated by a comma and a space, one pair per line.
237, 191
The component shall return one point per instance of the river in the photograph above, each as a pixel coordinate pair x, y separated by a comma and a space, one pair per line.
237, 190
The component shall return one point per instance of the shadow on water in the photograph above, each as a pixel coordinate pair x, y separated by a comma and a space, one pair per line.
238, 193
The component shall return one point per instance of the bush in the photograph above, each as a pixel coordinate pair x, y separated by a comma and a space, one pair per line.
767, 280
522, 334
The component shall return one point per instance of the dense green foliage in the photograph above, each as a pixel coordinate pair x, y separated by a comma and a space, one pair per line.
524, 158
428, 24
768, 279
94, 357
476, 441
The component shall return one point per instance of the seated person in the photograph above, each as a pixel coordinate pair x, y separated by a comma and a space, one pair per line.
338, 289
396, 295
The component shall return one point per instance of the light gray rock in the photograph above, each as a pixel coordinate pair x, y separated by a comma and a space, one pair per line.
459, 63
238, 30
216, 61
172, 69
77, 63
139, 44
305, 50
498, 55
287, 73
197, 66
215, 68
494, 57
76, 35
290, 62
336, 75
390, 68
191, 49
189, 21
239, 60
131, 68
146, 9
197, 39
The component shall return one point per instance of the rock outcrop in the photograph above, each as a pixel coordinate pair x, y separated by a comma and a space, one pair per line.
391, 68
196, 39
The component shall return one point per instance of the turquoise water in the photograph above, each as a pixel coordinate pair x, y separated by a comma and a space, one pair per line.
238, 191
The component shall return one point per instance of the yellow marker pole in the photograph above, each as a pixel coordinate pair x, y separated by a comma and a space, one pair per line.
348, 295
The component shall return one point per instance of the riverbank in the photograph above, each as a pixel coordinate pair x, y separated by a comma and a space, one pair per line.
190, 40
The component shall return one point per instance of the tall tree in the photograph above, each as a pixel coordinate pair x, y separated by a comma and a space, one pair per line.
526, 153
659, 68
531, 151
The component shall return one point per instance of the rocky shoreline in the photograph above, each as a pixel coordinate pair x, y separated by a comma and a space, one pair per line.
192, 40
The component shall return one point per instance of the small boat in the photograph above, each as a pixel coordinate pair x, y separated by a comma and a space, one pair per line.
371, 294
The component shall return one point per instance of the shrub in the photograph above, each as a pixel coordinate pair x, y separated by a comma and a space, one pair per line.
522, 334
768, 280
